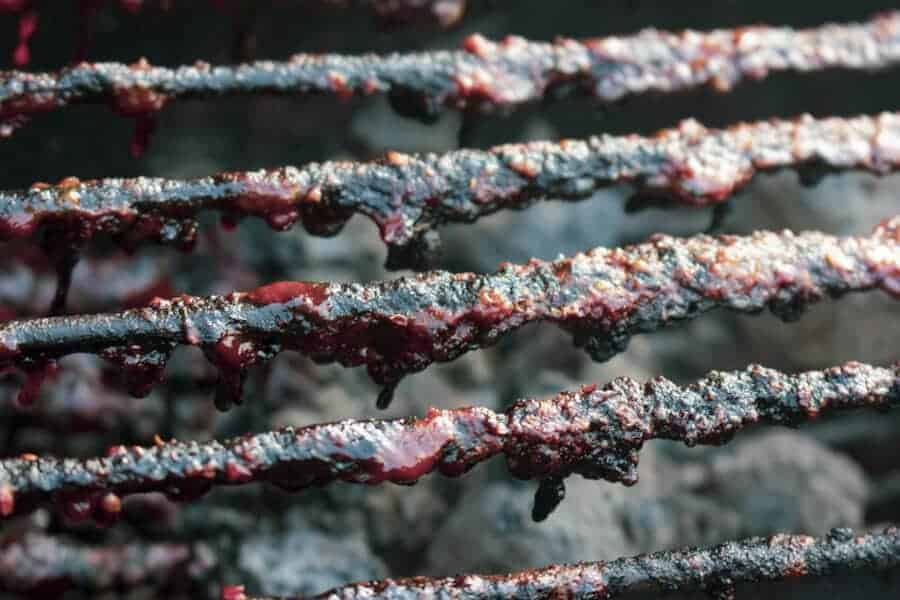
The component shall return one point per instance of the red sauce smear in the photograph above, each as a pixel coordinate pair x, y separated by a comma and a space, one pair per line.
597, 433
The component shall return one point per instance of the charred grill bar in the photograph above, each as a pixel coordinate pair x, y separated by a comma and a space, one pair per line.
410, 196
596, 432
394, 328
485, 76
399, 327
717, 570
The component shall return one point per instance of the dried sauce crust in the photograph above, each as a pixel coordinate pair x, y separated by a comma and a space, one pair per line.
484, 76
394, 328
716, 569
596, 432
409, 196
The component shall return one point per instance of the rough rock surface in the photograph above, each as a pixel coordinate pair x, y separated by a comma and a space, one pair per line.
298, 558
587, 526
784, 481
774, 482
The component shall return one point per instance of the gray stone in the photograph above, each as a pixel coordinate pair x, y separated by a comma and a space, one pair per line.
677, 520
491, 531
785, 481
300, 559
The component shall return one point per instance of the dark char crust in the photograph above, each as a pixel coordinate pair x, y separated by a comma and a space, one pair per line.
716, 569
484, 75
409, 196
596, 432
397, 327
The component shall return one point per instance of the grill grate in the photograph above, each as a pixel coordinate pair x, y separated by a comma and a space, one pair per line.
395, 328
484, 76
596, 432
716, 570
402, 326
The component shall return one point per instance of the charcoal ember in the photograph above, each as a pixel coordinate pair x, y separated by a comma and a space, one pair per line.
398, 523
101, 283
475, 374
84, 396
783, 481
20, 278
416, 396
295, 557
508, 539
223, 522
297, 392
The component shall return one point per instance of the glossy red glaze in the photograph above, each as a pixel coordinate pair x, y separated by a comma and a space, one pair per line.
233, 592
28, 23
7, 500
284, 292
